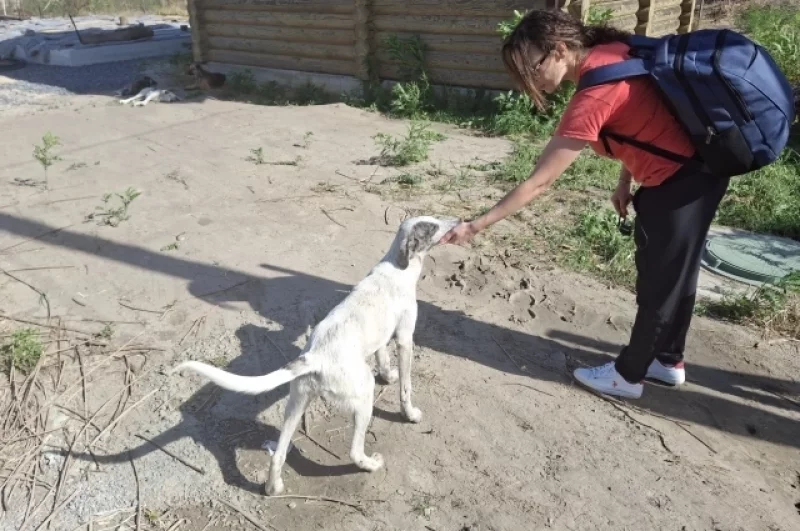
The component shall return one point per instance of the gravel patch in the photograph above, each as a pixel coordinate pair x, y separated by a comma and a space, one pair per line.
42, 85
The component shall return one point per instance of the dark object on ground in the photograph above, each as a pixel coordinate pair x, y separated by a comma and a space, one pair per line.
204, 79
131, 33
6, 65
137, 86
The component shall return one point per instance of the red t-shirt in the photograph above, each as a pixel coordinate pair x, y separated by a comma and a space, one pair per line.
631, 108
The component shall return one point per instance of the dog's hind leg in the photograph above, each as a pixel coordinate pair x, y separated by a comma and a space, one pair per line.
388, 374
299, 398
362, 413
150, 97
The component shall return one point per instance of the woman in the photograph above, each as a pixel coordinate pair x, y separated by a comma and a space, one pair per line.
675, 205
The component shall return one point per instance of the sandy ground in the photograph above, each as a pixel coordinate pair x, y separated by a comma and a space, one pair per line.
228, 261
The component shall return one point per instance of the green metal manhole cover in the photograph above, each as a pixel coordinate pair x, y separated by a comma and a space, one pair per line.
752, 258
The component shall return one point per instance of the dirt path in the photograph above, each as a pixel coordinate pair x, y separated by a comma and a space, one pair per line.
228, 261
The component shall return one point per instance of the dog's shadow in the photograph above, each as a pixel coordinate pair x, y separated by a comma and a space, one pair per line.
230, 425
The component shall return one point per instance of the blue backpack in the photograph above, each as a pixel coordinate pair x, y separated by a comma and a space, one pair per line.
731, 97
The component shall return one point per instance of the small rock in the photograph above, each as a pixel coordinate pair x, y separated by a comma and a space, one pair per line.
401, 492
293, 505
428, 511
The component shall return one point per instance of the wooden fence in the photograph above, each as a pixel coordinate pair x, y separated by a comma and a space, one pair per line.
349, 37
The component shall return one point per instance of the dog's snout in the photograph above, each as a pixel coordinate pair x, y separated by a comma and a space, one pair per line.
449, 224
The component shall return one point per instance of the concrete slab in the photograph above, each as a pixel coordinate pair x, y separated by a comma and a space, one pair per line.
111, 52
54, 41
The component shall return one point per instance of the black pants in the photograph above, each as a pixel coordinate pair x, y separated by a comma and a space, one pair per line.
672, 222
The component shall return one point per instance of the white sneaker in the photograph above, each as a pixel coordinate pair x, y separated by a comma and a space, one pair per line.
667, 374
605, 379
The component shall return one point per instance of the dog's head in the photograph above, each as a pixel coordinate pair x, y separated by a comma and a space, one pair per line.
193, 69
417, 236
168, 96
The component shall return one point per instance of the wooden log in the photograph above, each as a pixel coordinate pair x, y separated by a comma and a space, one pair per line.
343, 7
292, 20
197, 25
435, 24
491, 8
645, 18
455, 61
130, 33
363, 33
618, 7
576, 8
324, 66
664, 27
673, 12
287, 34
457, 78
484, 44
627, 22
289, 49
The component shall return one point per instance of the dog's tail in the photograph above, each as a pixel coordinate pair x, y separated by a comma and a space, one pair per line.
251, 385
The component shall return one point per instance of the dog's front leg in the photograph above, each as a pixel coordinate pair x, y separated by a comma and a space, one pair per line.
405, 342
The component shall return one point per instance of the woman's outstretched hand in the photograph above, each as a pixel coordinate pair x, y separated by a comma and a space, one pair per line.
461, 233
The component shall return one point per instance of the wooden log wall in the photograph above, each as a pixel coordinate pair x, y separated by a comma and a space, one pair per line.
349, 37
461, 36
307, 35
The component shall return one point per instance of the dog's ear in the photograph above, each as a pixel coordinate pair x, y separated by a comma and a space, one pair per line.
419, 239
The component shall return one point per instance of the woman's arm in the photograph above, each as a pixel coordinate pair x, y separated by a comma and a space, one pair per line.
557, 156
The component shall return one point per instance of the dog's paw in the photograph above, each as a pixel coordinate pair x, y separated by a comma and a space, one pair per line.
370, 464
275, 488
391, 377
139, 104
413, 415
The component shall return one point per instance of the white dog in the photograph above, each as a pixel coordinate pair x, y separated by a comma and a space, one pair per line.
333, 364
148, 94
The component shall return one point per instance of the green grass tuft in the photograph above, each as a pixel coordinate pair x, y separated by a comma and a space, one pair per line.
412, 148
595, 245
23, 350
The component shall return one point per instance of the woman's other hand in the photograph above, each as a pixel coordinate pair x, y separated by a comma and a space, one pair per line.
622, 197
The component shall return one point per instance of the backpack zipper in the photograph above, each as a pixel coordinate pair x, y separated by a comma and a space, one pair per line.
732, 92
680, 57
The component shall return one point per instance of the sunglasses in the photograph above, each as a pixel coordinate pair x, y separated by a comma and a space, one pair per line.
539, 64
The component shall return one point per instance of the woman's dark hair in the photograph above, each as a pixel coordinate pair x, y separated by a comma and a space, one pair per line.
539, 32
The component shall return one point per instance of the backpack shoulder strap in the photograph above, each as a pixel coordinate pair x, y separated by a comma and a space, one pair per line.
693, 162
615, 72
